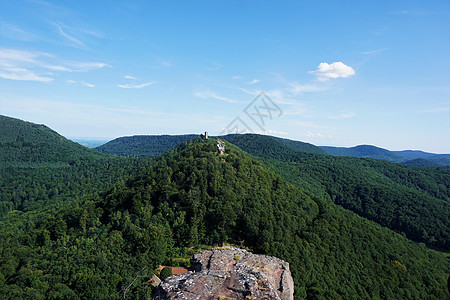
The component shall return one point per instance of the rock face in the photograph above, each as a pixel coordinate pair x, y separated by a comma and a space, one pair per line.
230, 273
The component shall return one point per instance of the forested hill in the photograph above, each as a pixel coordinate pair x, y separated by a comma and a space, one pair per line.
412, 201
192, 196
24, 142
272, 146
407, 157
40, 169
143, 145
154, 145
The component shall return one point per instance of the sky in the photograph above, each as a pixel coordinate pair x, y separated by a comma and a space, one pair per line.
338, 73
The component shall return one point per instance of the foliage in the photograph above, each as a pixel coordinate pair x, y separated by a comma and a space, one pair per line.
41, 169
409, 200
165, 273
408, 157
143, 145
192, 196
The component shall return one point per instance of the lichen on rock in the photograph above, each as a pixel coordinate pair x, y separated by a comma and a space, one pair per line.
218, 274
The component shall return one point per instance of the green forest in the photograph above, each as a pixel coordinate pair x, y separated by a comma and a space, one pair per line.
86, 225
412, 201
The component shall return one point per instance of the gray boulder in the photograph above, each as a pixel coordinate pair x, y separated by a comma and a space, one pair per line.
230, 273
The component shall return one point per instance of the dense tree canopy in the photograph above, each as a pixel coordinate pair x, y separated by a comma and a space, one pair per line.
81, 224
412, 201
95, 248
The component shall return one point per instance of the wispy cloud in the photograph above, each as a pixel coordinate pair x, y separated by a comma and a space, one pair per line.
376, 51
84, 83
67, 36
206, 95
14, 32
136, 86
86, 66
22, 74
215, 66
129, 77
315, 135
345, 115
34, 66
334, 70
254, 81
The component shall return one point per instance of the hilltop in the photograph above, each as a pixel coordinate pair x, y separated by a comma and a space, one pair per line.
143, 145
40, 169
408, 157
25, 142
192, 196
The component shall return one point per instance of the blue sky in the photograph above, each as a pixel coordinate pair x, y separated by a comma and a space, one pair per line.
335, 72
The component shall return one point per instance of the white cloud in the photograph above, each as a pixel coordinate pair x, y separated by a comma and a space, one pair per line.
206, 95
86, 66
296, 88
84, 83
26, 65
13, 32
315, 134
129, 77
236, 77
334, 70
71, 81
376, 51
254, 81
136, 86
22, 74
345, 115
67, 36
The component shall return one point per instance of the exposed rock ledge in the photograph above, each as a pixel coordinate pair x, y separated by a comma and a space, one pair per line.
230, 273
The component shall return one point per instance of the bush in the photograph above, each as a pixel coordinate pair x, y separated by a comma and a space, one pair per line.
166, 272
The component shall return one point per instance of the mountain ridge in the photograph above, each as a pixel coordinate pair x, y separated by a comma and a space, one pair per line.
94, 247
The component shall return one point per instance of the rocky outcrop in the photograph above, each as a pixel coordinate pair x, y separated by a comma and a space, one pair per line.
230, 273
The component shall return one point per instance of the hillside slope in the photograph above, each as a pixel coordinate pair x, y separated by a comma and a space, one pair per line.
367, 151
40, 169
407, 157
143, 145
193, 196
409, 200
24, 142
269, 145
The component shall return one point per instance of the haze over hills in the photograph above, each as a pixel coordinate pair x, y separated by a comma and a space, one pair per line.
153, 145
407, 156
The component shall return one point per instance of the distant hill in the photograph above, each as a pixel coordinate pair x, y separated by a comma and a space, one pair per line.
422, 163
414, 154
154, 145
108, 245
90, 143
365, 151
409, 200
368, 151
143, 145
40, 169
270, 146
26, 142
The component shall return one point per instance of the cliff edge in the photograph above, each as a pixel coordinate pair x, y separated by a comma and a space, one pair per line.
230, 273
